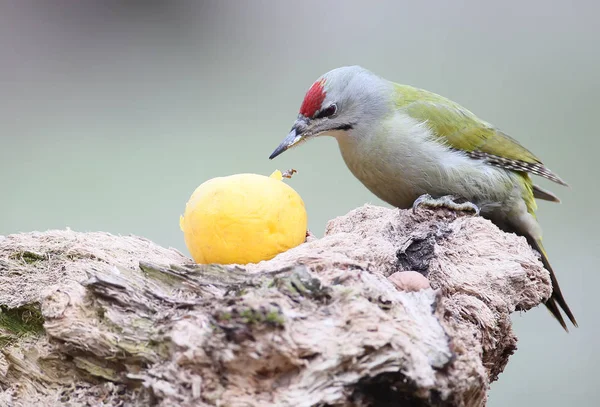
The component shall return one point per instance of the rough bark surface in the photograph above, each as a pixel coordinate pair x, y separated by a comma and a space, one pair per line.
95, 319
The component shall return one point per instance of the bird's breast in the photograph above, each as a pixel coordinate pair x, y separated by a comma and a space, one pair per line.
387, 173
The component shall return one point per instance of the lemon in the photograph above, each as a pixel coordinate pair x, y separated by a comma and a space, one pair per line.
243, 218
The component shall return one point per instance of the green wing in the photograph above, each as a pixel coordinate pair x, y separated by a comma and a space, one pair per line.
462, 130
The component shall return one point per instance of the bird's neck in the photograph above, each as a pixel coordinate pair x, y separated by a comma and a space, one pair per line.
391, 140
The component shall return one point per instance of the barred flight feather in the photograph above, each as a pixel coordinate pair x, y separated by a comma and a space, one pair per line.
516, 165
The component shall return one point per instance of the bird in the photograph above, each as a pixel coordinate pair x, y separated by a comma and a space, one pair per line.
411, 147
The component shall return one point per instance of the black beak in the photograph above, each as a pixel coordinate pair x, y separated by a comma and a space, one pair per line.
293, 138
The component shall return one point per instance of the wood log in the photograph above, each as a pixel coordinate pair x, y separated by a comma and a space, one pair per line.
388, 308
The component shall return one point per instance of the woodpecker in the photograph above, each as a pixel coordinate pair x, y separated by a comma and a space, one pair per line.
411, 147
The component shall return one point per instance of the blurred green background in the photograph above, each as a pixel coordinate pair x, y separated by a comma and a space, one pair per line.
112, 112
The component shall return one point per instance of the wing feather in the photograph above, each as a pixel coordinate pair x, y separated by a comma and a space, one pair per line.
462, 130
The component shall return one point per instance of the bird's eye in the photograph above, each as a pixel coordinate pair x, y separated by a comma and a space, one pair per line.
328, 111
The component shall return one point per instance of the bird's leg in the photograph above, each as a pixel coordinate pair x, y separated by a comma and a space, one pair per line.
447, 201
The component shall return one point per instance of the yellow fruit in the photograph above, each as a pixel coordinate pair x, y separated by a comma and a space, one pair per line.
243, 218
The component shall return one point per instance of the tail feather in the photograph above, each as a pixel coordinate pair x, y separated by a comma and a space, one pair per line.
541, 193
557, 299
555, 311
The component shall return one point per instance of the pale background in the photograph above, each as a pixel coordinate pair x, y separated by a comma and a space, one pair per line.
112, 112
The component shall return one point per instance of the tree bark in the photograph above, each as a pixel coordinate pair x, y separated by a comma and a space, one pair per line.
95, 319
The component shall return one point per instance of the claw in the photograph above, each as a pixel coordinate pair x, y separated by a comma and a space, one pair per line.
446, 201
420, 200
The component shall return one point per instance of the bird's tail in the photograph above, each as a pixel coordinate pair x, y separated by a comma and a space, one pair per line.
556, 300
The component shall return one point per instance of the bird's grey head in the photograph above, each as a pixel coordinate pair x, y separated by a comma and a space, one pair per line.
336, 104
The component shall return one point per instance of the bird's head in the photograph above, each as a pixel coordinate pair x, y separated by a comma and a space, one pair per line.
336, 104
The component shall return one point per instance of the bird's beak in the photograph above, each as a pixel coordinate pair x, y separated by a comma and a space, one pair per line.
296, 135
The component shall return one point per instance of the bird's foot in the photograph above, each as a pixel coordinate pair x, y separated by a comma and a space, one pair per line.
447, 201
